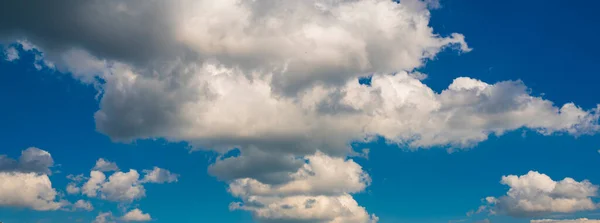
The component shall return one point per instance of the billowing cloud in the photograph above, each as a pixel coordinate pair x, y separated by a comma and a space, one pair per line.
91, 187
120, 186
278, 82
25, 183
136, 215
103, 165
159, 175
32, 160
300, 43
536, 194
124, 187
318, 192
581, 220
29, 190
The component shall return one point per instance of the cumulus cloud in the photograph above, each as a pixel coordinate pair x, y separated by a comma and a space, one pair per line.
278, 82
91, 187
11, 54
25, 183
159, 175
536, 194
320, 191
103, 165
83, 205
120, 186
29, 190
32, 160
124, 187
104, 217
581, 220
72, 188
136, 215
301, 43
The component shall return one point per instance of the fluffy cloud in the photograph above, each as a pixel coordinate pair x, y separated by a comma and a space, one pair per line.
159, 175
32, 160
300, 43
340, 40
123, 187
278, 81
318, 192
136, 215
535, 194
90, 188
120, 186
581, 220
103, 165
72, 188
83, 205
104, 217
25, 183
28, 190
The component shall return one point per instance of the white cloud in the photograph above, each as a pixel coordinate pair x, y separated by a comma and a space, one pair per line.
231, 110
120, 186
104, 217
305, 42
103, 165
158, 175
535, 194
72, 188
318, 192
25, 183
83, 205
29, 190
91, 187
278, 81
136, 215
301, 43
11, 54
123, 186
581, 220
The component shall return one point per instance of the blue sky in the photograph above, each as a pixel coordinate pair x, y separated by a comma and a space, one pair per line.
549, 45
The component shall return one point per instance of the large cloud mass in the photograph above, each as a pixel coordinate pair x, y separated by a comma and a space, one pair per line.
278, 81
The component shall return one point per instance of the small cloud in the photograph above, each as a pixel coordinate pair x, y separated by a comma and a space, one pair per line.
136, 215
103, 165
83, 205
158, 175
11, 54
